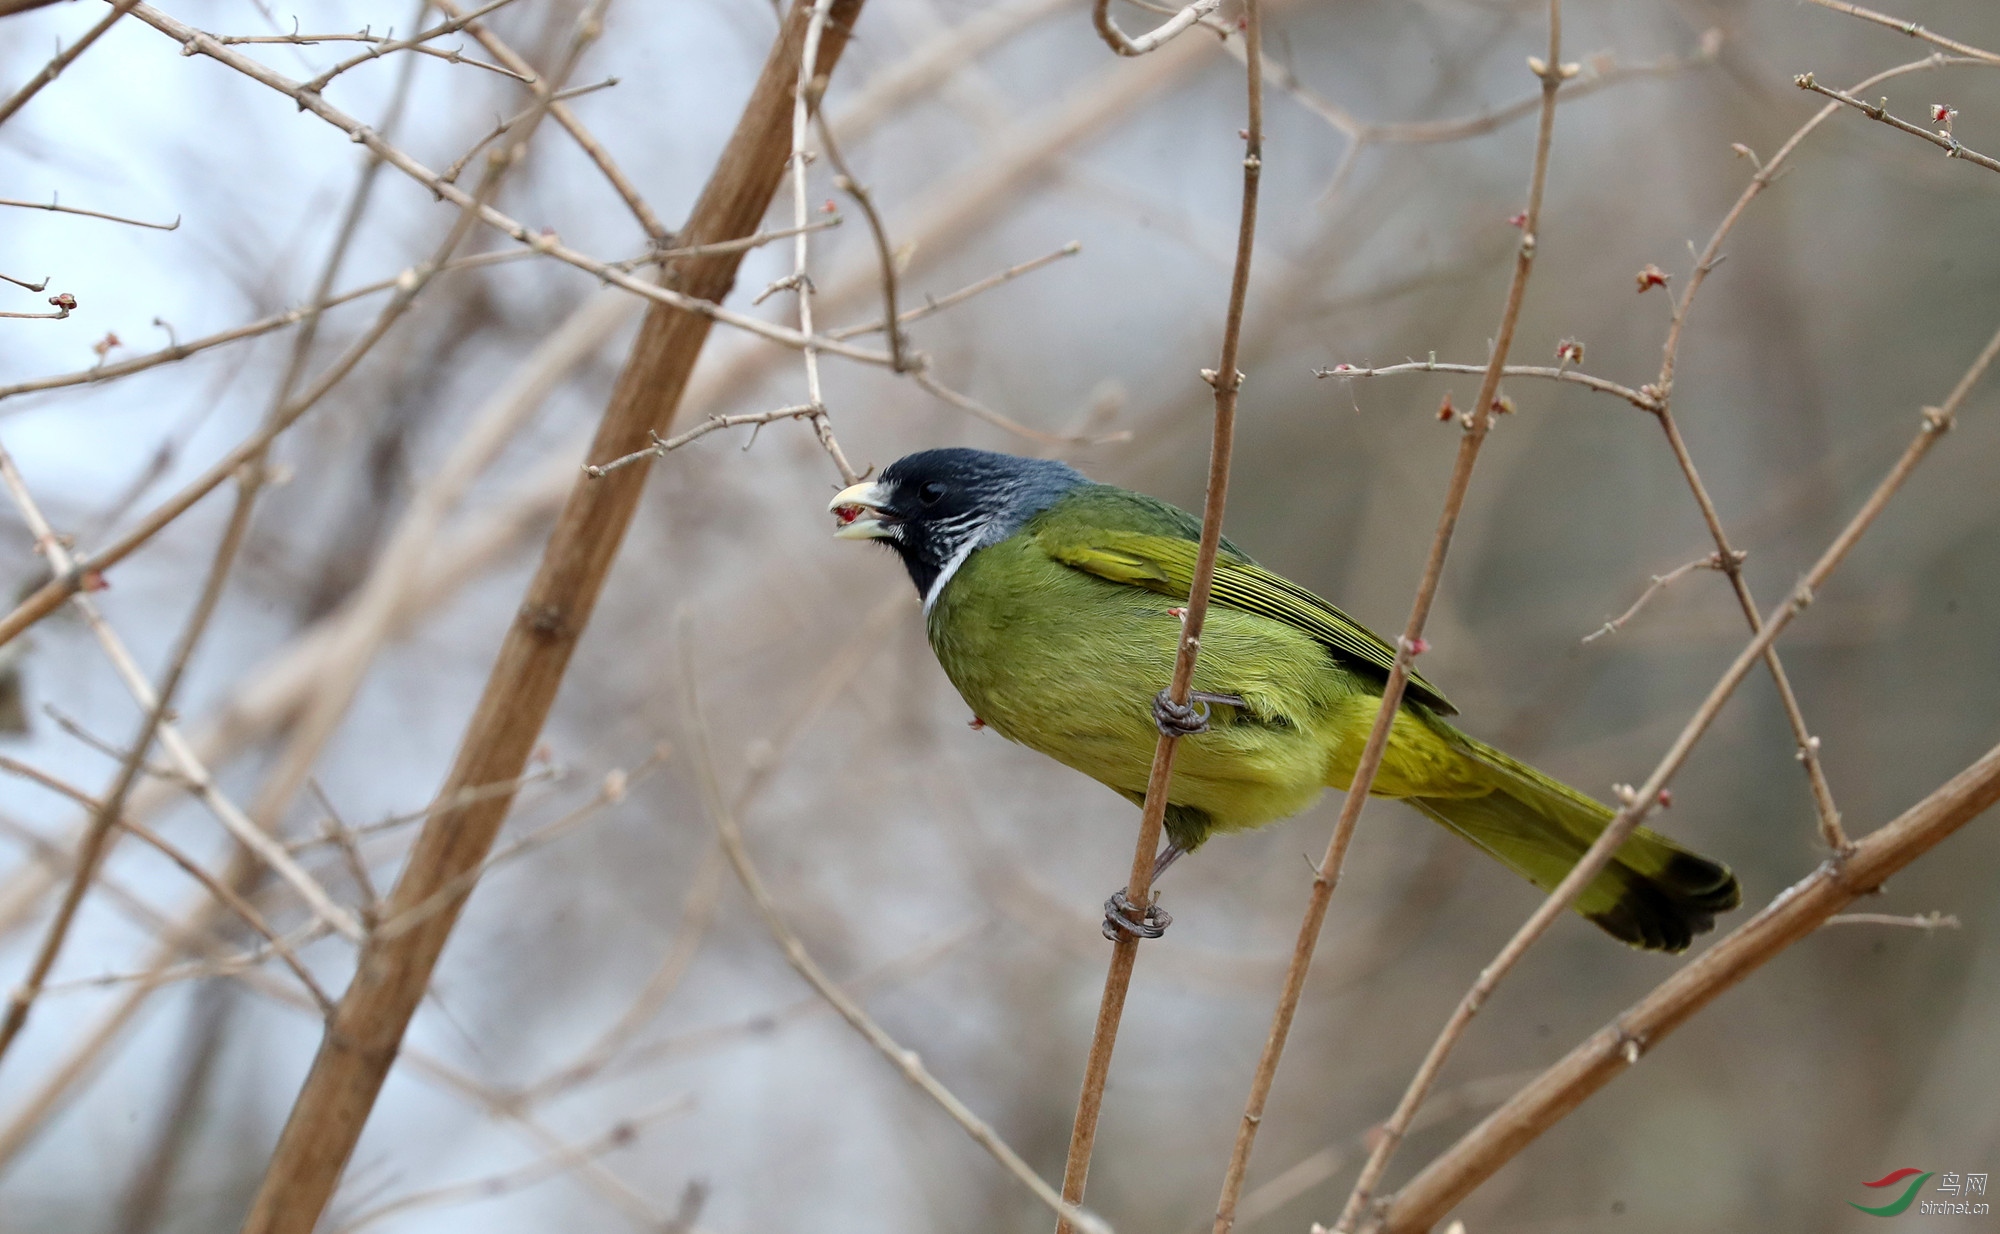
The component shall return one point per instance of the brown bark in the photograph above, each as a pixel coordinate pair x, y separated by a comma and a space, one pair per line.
361, 1043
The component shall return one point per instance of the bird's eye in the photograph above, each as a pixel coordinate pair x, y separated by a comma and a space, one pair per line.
930, 492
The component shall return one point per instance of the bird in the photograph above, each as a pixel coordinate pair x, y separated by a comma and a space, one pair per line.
1055, 604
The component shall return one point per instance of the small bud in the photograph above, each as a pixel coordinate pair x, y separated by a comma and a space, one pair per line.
1570, 351
828, 207
1538, 66
1445, 410
1518, 220
1244, 134
1571, 70
104, 345
614, 785
1666, 799
64, 301
975, 724
1417, 646
1943, 113
1502, 405
93, 580
544, 753
1650, 277
1625, 793
1177, 613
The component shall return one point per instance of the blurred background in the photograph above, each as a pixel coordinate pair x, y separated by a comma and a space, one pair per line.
613, 1041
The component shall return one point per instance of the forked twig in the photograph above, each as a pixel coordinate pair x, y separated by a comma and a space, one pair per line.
1638, 804
1952, 147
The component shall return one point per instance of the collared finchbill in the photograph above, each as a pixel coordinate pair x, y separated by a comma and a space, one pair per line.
850, 505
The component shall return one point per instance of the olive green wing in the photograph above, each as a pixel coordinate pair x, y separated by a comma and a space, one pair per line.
1165, 564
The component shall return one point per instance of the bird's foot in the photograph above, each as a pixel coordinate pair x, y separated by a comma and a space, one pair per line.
1122, 918
1188, 719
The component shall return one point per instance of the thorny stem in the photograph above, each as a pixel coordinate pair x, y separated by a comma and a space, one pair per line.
1729, 560
1226, 381
1327, 875
1794, 914
1638, 804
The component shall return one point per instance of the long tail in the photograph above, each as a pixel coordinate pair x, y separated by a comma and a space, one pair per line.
1654, 894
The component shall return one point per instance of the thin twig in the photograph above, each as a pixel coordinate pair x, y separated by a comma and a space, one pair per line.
540, 241
1952, 147
57, 207
111, 809
903, 1059
1326, 875
450, 174
1729, 558
455, 55
1910, 28
656, 232
805, 101
885, 254
1638, 398
939, 304
378, 50
1659, 583
553, 1164
1794, 914
1638, 804
1226, 380
661, 445
62, 60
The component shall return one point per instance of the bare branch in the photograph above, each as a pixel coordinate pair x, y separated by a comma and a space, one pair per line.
1795, 913
1910, 28
1639, 803
52, 204
62, 60
1659, 583
1943, 139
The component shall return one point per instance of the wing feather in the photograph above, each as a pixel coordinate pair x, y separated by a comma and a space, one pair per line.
1166, 564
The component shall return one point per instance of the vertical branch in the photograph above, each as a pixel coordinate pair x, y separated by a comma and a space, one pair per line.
361, 1043
805, 101
1226, 381
1327, 875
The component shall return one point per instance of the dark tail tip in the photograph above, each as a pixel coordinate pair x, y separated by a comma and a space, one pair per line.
1667, 910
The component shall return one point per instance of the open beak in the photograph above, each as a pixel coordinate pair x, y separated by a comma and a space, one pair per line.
853, 508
